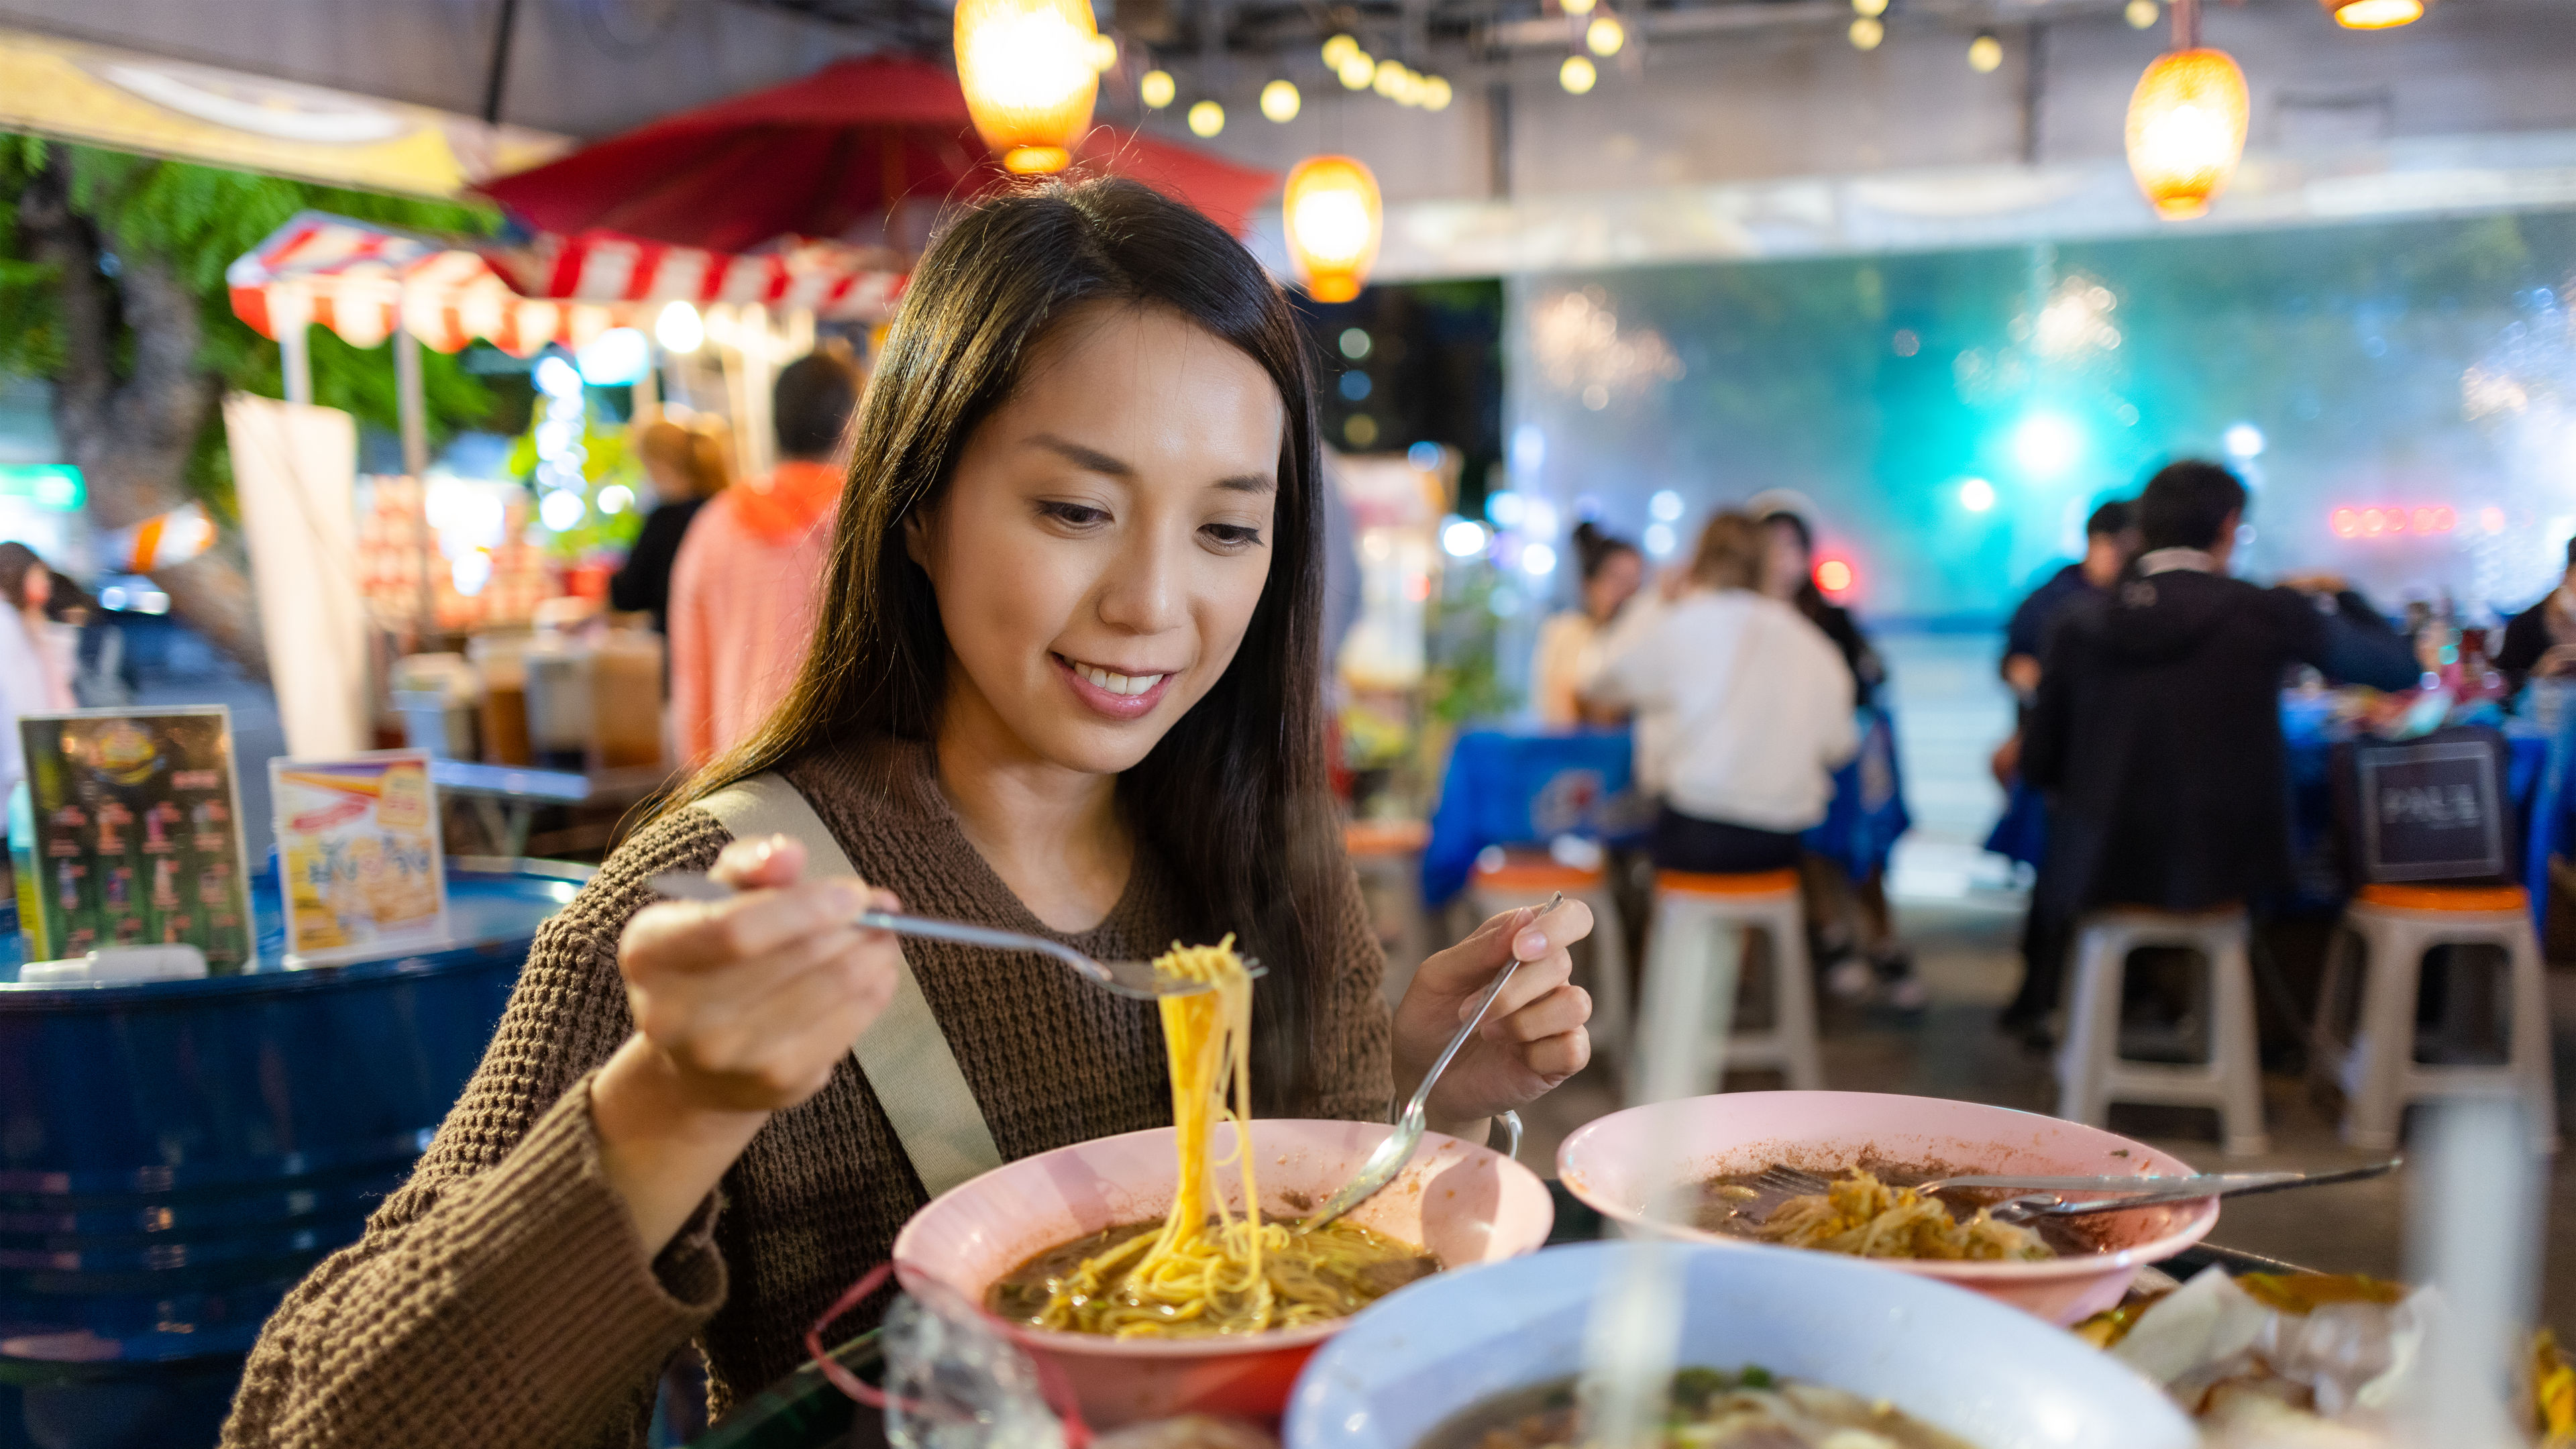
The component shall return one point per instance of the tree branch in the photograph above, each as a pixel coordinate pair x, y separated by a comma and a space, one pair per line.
58, 237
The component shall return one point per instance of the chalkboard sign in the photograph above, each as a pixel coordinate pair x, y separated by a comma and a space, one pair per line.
2433, 809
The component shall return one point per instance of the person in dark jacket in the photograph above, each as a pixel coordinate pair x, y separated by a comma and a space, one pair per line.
2541, 640
686, 467
2110, 537
2158, 724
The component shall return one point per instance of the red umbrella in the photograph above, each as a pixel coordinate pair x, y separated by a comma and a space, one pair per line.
815, 157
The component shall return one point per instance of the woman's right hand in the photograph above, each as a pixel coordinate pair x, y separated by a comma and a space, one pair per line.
742, 1008
753, 1001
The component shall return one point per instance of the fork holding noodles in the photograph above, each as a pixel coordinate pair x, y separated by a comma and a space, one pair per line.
1063, 680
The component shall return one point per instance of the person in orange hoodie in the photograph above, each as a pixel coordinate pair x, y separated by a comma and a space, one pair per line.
743, 587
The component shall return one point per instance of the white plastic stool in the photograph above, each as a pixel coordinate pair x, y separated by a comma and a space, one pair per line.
1528, 879
1682, 962
1388, 855
2394, 926
2092, 1074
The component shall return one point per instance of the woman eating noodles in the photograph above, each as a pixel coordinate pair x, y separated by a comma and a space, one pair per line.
1064, 681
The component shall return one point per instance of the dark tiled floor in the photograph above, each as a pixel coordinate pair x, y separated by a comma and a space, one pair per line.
1968, 958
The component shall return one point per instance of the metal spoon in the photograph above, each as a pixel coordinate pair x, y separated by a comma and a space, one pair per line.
1400, 1145
2048, 1205
1136, 979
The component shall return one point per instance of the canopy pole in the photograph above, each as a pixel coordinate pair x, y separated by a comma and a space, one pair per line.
296, 356
412, 404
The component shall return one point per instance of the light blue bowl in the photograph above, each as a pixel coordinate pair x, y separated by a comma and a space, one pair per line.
1994, 1376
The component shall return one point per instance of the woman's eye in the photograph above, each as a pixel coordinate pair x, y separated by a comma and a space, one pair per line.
1075, 515
1233, 535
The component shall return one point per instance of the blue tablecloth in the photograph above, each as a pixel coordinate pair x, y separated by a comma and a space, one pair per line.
2538, 794
1509, 787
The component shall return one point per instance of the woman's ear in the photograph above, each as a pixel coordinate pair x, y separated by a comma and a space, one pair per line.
916, 538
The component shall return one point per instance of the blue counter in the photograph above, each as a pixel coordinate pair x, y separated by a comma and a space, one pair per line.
176, 1155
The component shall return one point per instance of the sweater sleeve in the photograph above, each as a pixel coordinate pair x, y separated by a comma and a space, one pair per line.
1354, 1043
501, 1297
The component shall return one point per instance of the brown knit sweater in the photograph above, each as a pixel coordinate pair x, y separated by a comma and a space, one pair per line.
501, 1298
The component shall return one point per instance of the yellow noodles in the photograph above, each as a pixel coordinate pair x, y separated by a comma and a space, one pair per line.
1208, 1269
1861, 1215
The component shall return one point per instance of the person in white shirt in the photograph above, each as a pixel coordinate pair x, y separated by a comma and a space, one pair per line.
1747, 707
35, 654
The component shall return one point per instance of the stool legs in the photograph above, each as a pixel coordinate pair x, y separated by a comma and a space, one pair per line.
2378, 1069
1794, 995
2234, 1052
1614, 1021
2091, 1072
1693, 964
2092, 1024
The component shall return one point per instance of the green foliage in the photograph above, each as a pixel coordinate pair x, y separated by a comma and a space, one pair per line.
606, 462
1464, 684
198, 219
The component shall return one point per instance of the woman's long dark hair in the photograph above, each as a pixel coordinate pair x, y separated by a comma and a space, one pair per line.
1233, 798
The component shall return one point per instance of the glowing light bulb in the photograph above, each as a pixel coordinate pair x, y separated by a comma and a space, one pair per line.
1356, 71
2143, 14
1206, 119
1339, 49
2374, 14
2187, 130
1869, 9
1577, 74
1156, 89
1333, 217
1866, 33
1976, 495
1985, 54
1605, 35
1576, 8
1280, 101
680, 328
1436, 93
1028, 69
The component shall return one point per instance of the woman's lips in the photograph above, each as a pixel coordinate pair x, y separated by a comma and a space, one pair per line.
1110, 693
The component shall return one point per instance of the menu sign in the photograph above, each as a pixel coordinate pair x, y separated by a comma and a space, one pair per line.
2432, 811
137, 835
358, 854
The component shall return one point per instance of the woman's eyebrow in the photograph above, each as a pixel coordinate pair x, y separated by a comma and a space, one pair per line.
1249, 483
1090, 460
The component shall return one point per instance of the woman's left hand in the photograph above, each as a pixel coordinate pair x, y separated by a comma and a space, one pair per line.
1532, 1039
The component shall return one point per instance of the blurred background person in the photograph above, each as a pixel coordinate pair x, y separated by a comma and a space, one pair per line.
1855, 932
742, 589
686, 466
2540, 642
1758, 703
1569, 643
2157, 725
35, 653
2110, 538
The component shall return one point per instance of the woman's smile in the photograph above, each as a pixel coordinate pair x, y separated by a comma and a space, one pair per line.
1115, 693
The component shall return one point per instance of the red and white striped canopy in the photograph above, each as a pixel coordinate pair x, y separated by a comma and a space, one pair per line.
362, 280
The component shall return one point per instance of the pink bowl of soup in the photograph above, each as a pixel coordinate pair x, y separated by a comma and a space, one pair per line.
1462, 1204
1621, 1163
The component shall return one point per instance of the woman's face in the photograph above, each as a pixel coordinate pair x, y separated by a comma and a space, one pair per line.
39, 587
1105, 536
1785, 562
1613, 584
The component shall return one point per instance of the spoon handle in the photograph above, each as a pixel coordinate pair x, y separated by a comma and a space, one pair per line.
2162, 1197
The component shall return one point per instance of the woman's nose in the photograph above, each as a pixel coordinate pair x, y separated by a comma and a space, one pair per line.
1143, 592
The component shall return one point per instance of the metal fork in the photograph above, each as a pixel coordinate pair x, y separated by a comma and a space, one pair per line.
1777, 1184
1136, 979
1398, 1147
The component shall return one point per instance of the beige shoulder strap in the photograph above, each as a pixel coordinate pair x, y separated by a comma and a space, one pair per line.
905, 1056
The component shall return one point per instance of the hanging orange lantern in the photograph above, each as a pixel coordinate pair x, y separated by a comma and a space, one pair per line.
2374, 14
2187, 129
1334, 219
1030, 72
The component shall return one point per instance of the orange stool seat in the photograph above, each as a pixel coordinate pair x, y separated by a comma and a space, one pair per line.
1539, 875
2445, 898
1703, 883
1385, 837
